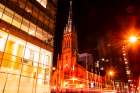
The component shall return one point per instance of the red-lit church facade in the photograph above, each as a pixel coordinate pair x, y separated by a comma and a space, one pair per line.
69, 74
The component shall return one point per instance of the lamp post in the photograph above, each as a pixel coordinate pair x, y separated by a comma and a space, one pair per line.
111, 74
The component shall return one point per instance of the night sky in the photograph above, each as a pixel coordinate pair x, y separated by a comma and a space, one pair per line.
96, 21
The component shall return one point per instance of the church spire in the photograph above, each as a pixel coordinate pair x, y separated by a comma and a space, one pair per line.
69, 24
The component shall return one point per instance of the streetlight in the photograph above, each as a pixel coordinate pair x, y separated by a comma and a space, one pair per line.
133, 39
53, 68
111, 74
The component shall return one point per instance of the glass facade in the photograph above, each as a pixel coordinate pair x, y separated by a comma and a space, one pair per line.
24, 66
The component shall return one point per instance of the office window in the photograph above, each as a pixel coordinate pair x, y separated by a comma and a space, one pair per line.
11, 64
39, 33
3, 77
3, 38
12, 84
28, 7
41, 17
22, 3
15, 46
28, 71
32, 29
51, 25
40, 88
17, 20
41, 73
46, 21
7, 15
25, 25
45, 36
27, 85
1, 9
31, 55
35, 12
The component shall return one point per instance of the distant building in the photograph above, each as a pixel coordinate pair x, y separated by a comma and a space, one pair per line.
85, 58
26, 45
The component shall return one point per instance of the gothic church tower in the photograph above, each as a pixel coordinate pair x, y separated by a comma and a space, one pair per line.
69, 43
67, 59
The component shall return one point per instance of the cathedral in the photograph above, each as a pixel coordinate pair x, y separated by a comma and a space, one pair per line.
68, 73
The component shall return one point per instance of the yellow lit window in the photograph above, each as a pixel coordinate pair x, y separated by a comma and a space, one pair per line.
3, 37
8, 15
28, 71
15, 46
39, 33
25, 25
45, 36
17, 20
32, 29
1, 9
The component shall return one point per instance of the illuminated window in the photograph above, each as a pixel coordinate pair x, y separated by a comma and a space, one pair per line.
40, 86
31, 54
11, 64
41, 16
3, 77
27, 85
45, 58
28, 7
42, 60
17, 20
12, 84
35, 12
22, 3
3, 37
1, 9
45, 36
41, 73
39, 33
32, 29
28, 71
42, 2
46, 20
25, 25
15, 46
8, 15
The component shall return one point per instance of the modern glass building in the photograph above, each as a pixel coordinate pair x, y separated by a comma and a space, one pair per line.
26, 45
